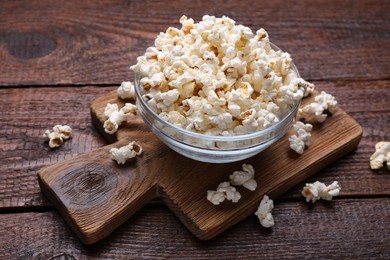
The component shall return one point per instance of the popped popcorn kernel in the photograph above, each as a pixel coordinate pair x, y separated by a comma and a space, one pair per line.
224, 191
297, 144
122, 154
381, 156
58, 135
299, 141
115, 116
310, 87
327, 101
318, 190
263, 212
244, 177
126, 90
323, 102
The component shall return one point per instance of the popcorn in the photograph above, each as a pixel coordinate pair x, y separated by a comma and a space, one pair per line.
327, 101
116, 117
126, 90
310, 87
59, 134
381, 156
264, 212
222, 121
110, 109
323, 102
318, 190
244, 177
293, 92
301, 140
170, 97
187, 24
173, 117
297, 144
314, 109
124, 153
216, 72
330, 191
224, 191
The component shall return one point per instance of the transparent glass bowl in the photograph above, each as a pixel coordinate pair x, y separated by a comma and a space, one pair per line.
213, 149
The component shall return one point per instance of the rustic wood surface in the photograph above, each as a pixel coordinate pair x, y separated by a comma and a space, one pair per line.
337, 230
57, 57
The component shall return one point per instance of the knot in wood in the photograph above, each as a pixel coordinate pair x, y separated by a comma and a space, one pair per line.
86, 186
30, 45
62, 256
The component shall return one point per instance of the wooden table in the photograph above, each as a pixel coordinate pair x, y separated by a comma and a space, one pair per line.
57, 57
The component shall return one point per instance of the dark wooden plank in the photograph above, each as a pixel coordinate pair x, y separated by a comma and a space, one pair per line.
89, 42
26, 113
339, 229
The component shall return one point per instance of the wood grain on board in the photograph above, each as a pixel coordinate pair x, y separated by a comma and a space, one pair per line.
95, 195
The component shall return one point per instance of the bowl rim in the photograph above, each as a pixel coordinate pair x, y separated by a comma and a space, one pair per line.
229, 138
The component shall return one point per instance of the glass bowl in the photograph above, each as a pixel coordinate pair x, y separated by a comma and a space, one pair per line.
208, 148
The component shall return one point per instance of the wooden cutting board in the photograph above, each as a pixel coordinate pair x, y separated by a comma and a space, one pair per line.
95, 195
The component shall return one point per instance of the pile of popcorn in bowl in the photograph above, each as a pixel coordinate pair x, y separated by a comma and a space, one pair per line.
215, 91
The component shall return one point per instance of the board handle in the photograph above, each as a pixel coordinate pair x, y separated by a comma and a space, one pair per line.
94, 194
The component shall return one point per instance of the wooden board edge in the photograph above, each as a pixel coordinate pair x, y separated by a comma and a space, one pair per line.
53, 198
99, 127
98, 122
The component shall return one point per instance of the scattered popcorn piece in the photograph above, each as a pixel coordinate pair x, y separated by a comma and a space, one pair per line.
116, 117
314, 109
301, 140
110, 108
215, 197
64, 130
221, 77
323, 102
224, 191
381, 155
303, 130
331, 191
129, 110
296, 144
124, 153
264, 212
312, 191
309, 87
327, 101
244, 177
126, 90
59, 134
318, 190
